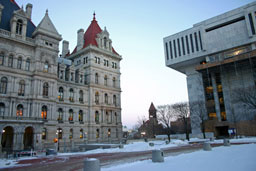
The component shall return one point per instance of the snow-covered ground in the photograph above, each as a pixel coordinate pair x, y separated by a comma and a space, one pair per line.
132, 147
235, 158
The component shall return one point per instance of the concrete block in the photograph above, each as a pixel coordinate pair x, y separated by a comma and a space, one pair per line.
91, 164
207, 146
226, 142
157, 156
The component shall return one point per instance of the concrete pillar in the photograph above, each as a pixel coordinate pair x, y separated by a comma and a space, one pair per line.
91, 164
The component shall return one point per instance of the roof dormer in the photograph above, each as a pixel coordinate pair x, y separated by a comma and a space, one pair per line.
19, 24
104, 41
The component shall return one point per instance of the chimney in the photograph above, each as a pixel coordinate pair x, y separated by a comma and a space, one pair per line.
65, 48
80, 39
29, 10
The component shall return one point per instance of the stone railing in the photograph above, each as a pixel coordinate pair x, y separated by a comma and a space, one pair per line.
20, 118
6, 33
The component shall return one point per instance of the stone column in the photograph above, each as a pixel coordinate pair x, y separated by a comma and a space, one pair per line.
216, 97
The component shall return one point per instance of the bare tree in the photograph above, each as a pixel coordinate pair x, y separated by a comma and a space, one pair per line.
198, 114
246, 96
140, 122
182, 112
165, 114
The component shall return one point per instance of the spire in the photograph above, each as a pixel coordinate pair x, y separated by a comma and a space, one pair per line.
94, 15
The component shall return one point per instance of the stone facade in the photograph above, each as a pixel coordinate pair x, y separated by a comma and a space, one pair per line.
48, 101
218, 57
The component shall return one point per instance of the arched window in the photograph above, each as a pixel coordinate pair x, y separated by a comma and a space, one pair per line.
96, 78
60, 114
97, 133
71, 133
27, 67
97, 97
109, 133
19, 111
114, 100
44, 134
105, 80
46, 66
105, 42
71, 95
59, 132
81, 133
109, 117
106, 98
19, 63
97, 117
19, 27
10, 61
45, 89
1, 58
71, 115
114, 82
61, 94
80, 116
3, 85
21, 91
81, 96
44, 112
2, 108
116, 117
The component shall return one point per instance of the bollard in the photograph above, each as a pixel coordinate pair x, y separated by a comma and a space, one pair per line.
91, 164
157, 156
207, 146
121, 146
226, 142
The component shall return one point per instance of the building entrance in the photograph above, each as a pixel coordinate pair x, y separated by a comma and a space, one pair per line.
28, 138
7, 139
222, 131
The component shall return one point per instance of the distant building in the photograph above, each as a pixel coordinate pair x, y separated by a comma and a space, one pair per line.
46, 99
218, 56
151, 127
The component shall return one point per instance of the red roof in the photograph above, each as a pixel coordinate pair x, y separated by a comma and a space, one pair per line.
91, 34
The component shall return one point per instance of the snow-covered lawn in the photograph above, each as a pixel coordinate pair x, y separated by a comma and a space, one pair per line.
132, 147
235, 158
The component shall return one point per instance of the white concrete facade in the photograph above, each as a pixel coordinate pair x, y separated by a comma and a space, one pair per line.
211, 41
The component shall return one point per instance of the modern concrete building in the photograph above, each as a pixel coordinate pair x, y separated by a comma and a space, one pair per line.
218, 57
48, 101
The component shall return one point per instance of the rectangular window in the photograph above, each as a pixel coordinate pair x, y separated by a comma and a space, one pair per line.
174, 46
195, 35
191, 41
187, 44
178, 41
251, 23
170, 44
183, 46
200, 40
166, 49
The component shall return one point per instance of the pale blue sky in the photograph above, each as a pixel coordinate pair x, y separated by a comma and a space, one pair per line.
137, 28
